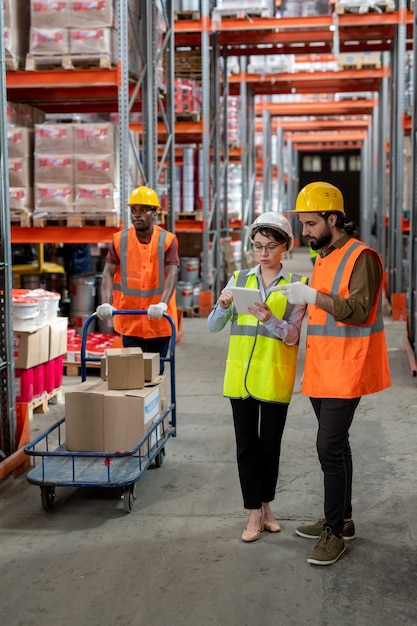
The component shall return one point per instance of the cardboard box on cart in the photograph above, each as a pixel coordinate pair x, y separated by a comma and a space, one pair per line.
125, 368
152, 364
102, 420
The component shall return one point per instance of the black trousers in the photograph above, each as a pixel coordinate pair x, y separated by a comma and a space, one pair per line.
334, 417
158, 344
259, 427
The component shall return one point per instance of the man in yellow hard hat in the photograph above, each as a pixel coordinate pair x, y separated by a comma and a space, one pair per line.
140, 273
346, 355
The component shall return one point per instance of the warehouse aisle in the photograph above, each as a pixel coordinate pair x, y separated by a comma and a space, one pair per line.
178, 559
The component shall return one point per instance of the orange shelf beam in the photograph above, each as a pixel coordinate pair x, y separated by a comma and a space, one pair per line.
297, 109
62, 234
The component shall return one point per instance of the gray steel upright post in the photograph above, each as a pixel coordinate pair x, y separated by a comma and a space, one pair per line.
267, 160
205, 80
123, 107
412, 295
7, 393
149, 94
382, 165
397, 157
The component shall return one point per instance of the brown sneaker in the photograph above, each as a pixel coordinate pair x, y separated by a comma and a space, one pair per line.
314, 531
327, 550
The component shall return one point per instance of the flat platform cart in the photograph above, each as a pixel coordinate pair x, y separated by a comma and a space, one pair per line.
54, 465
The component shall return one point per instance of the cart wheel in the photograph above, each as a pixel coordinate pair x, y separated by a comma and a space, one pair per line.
48, 497
159, 459
129, 495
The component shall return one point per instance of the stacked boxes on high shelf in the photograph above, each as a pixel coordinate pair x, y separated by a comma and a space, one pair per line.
113, 413
76, 172
20, 130
70, 31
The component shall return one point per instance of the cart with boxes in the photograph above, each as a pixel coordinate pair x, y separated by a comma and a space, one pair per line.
114, 427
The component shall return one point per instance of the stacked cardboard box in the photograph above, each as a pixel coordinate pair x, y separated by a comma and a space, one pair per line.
20, 130
113, 415
76, 169
71, 27
38, 358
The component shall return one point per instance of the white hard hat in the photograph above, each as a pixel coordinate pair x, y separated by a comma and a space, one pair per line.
276, 221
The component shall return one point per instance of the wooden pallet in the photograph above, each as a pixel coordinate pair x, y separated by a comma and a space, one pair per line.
76, 220
359, 66
74, 369
67, 61
41, 403
190, 116
22, 219
186, 15
254, 11
191, 311
187, 63
381, 6
12, 64
196, 216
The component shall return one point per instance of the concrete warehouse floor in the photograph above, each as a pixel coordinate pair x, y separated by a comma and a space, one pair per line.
177, 557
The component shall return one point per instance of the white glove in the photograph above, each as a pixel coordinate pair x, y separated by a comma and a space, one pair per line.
105, 311
156, 311
298, 293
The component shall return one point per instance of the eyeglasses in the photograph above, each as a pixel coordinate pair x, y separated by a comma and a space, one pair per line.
140, 210
270, 248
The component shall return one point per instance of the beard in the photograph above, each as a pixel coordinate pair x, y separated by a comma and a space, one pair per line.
321, 242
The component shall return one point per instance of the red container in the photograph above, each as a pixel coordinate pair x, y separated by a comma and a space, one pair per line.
24, 384
50, 376
59, 370
38, 380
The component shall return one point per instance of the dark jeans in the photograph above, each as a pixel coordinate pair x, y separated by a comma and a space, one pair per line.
160, 344
334, 417
258, 428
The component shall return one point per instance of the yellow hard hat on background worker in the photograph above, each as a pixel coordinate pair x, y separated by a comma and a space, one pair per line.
144, 196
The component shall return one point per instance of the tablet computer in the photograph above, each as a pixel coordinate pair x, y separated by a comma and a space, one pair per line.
244, 297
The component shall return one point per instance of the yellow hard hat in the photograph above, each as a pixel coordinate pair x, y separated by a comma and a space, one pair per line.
144, 195
319, 197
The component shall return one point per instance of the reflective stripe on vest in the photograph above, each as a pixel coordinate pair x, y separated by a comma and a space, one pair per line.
123, 287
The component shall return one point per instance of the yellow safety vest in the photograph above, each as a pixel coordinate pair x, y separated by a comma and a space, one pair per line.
258, 363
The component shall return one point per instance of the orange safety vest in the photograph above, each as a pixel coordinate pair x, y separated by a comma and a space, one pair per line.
343, 360
139, 282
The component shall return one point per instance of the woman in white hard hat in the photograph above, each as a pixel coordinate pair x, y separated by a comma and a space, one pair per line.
260, 366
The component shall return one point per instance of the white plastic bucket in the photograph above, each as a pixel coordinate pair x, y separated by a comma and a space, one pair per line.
25, 312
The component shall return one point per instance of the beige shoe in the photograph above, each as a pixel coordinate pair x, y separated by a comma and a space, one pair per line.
249, 535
